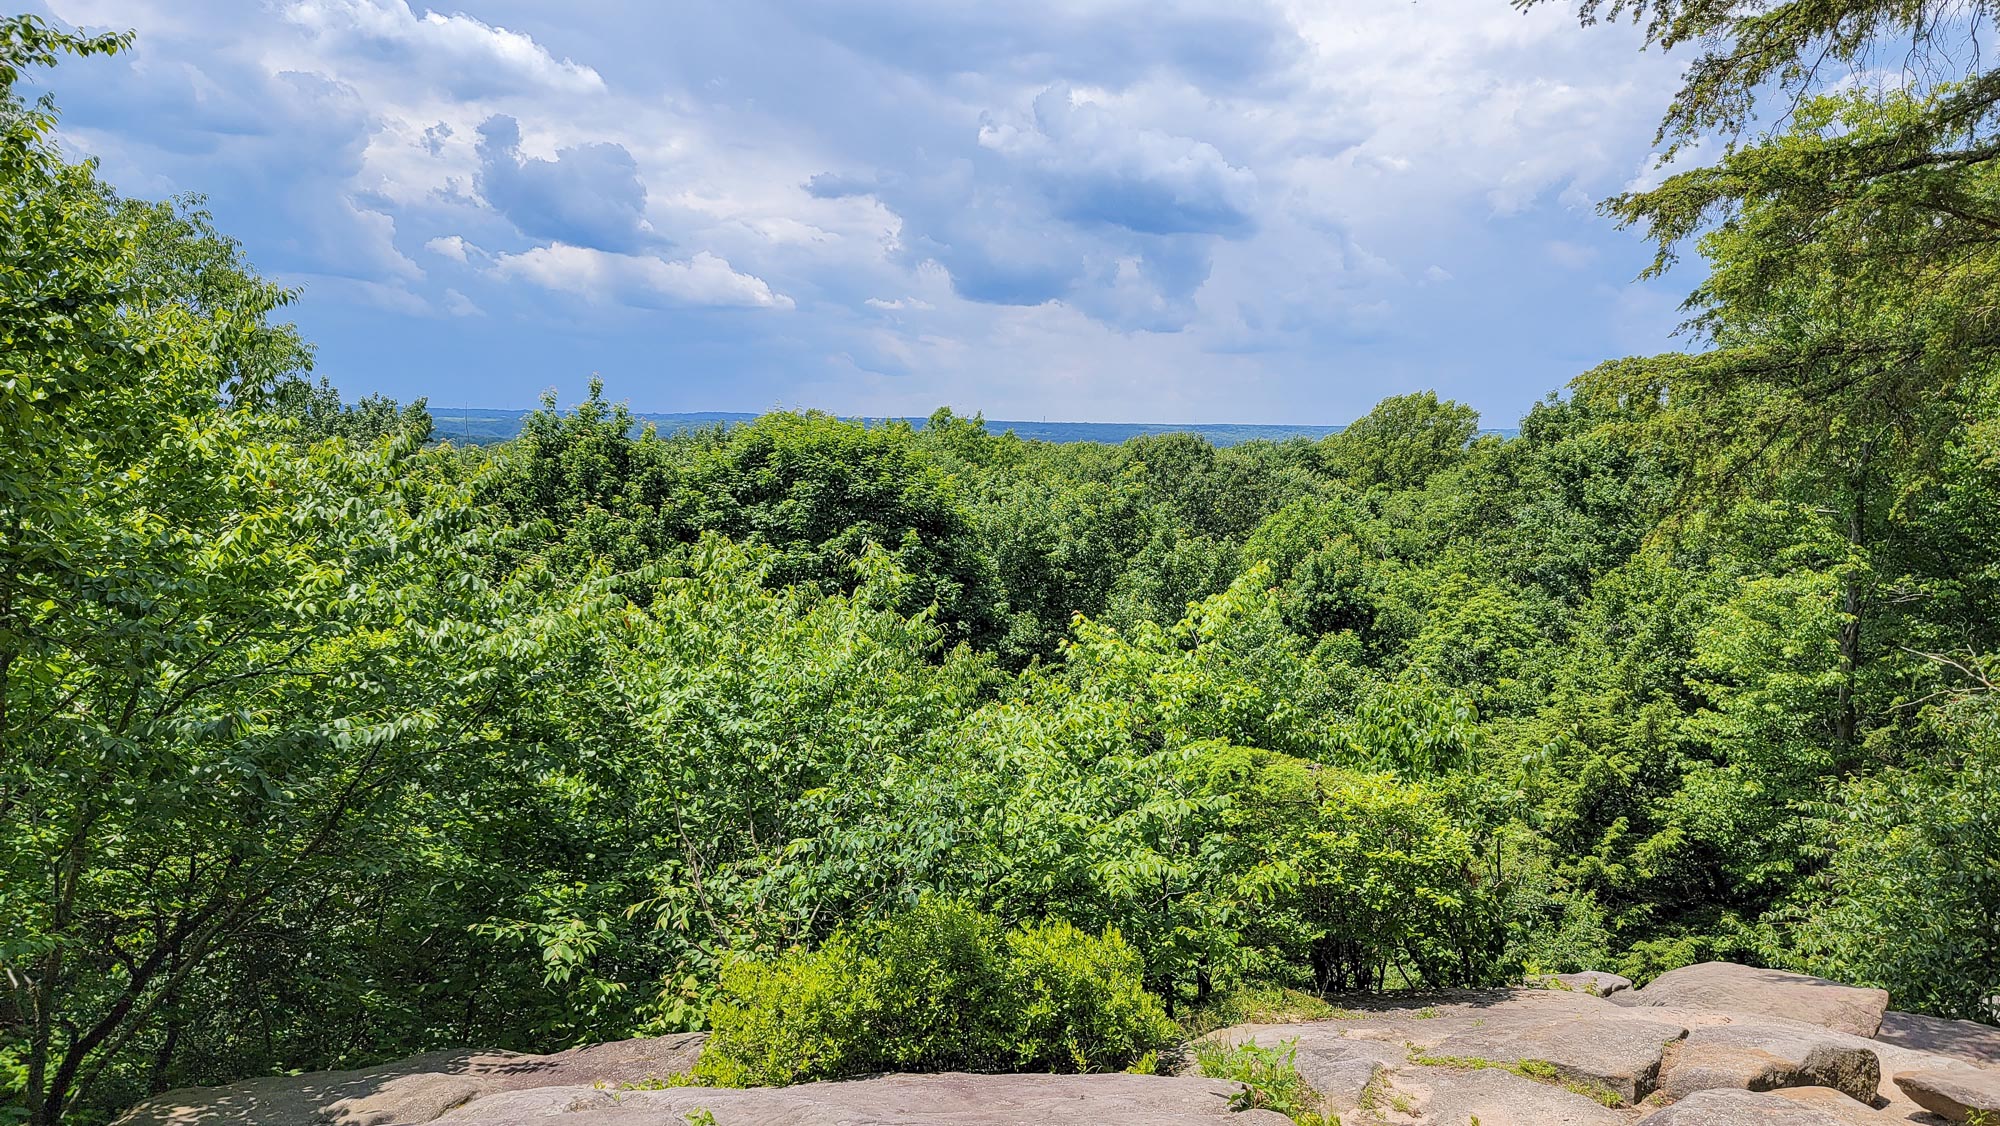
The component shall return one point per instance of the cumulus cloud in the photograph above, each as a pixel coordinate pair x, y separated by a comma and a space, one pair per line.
1212, 208
461, 54
1063, 199
1097, 169
704, 280
447, 246
589, 195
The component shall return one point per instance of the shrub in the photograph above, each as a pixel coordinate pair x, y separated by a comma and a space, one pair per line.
1270, 1078
939, 987
792, 1018
1075, 1001
1912, 888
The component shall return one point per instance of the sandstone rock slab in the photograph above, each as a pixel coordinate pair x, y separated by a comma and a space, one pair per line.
1730, 1107
406, 1091
1894, 1058
1426, 1020
1338, 1076
951, 1099
1746, 989
1596, 983
415, 1090
1498, 1098
1620, 1055
1841, 1107
1955, 1095
1960, 1039
1763, 1057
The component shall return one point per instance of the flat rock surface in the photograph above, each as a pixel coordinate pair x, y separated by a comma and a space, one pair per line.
890, 1100
1745, 989
1721, 1107
414, 1090
1619, 1054
1956, 1094
1339, 1074
1894, 1058
1840, 1106
1764, 1057
1960, 1039
1499, 1098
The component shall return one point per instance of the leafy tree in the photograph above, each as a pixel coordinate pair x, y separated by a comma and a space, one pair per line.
211, 676
1403, 441
818, 490
319, 412
1753, 50
1914, 882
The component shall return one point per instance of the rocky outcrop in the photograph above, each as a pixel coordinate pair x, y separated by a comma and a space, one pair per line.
1764, 1057
1839, 1106
1719, 1107
1954, 1095
1567, 1055
1343, 1073
1961, 1039
1620, 1056
1501, 1098
1594, 982
892, 1100
620, 1084
1732, 988
1684, 1052
415, 1090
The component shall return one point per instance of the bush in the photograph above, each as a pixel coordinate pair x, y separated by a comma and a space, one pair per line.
939, 987
1076, 1003
1913, 886
1270, 1079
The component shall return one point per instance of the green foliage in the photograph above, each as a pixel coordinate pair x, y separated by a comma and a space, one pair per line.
1404, 441
227, 655
1914, 882
1270, 1079
320, 413
938, 987
818, 492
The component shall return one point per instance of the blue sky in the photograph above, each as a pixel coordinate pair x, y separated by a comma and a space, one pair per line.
1096, 210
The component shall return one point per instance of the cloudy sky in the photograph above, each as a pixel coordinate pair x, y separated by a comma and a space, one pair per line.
1112, 210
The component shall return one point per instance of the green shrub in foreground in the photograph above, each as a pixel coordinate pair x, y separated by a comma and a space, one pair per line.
940, 987
1270, 1078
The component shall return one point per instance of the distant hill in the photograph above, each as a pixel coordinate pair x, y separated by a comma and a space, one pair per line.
481, 426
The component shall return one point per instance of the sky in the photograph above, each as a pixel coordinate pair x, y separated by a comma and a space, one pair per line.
1085, 210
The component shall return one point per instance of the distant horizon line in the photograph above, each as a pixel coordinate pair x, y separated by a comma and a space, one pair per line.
1048, 420
487, 425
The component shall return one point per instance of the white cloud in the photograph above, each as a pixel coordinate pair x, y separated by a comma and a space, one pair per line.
1099, 169
1138, 201
458, 51
638, 279
447, 246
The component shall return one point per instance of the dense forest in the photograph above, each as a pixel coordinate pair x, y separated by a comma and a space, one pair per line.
322, 742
